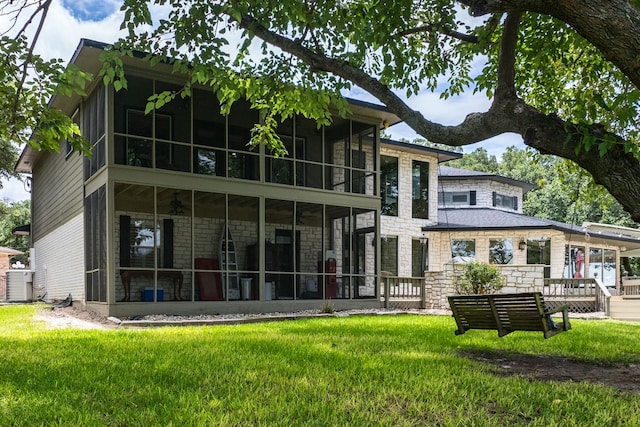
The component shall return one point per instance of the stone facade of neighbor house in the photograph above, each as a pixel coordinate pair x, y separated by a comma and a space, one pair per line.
518, 278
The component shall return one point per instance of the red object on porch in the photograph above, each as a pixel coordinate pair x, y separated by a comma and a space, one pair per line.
331, 284
209, 283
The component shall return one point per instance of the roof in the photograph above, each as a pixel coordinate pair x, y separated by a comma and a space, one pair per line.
442, 155
475, 219
448, 172
9, 251
22, 230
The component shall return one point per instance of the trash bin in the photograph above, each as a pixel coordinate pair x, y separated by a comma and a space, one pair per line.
245, 284
267, 290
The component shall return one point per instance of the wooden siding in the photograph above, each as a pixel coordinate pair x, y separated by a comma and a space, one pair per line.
59, 266
57, 192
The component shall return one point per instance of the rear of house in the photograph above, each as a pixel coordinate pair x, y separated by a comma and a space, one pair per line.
175, 213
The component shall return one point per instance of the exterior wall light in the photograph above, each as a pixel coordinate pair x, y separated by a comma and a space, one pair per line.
522, 245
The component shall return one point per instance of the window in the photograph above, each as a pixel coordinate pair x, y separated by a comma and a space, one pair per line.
602, 265
502, 201
419, 258
93, 129
144, 242
501, 251
463, 248
456, 198
389, 255
389, 185
95, 245
574, 264
539, 252
420, 189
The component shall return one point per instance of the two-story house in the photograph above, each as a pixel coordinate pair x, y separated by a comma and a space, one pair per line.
174, 212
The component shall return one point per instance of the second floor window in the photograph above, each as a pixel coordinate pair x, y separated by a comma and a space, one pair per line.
503, 201
456, 198
389, 185
420, 189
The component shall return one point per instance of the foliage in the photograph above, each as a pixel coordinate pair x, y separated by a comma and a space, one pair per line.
480, 278
356, 370
477, 160
14, 214
28, 83
327, 307
290, 57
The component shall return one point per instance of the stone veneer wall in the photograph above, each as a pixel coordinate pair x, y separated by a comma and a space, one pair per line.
519, 278
403, 226
484, 191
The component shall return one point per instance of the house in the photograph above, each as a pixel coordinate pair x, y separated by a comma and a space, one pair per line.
175, 213
480, 217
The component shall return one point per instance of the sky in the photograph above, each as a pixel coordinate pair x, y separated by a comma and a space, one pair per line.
70, 20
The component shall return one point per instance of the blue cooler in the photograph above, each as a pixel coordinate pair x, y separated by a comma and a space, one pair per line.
147, 294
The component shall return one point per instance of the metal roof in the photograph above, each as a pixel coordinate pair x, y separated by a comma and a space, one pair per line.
442, 155
451, 173
478, 219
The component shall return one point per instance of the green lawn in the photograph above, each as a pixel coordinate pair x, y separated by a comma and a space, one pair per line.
358, 370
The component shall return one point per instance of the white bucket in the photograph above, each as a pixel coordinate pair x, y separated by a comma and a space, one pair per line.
245, 283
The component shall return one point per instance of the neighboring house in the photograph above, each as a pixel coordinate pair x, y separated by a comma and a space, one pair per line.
480, 216
175, 213
408, 184
5, 265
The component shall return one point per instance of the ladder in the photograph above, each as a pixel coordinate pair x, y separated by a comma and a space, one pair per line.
229, 266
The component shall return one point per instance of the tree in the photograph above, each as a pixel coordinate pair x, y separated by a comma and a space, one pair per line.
562, 74
477, 160
12, 215
27, 82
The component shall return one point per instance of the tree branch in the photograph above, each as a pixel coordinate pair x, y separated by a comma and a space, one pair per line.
594, 20
617, 170
439, 28
44, 8
505, 88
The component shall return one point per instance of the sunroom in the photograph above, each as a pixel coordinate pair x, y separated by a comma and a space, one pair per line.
182, 215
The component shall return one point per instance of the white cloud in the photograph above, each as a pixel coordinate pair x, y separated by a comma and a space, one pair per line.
13, 191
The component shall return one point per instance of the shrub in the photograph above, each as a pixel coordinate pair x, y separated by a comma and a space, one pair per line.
480, 278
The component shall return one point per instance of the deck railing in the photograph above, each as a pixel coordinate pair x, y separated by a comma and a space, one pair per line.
402, 288
630, 286
574, 289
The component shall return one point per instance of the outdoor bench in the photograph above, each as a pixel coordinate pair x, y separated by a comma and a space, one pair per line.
506, 313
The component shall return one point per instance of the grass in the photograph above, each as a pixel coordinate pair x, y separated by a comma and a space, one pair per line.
358, 370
